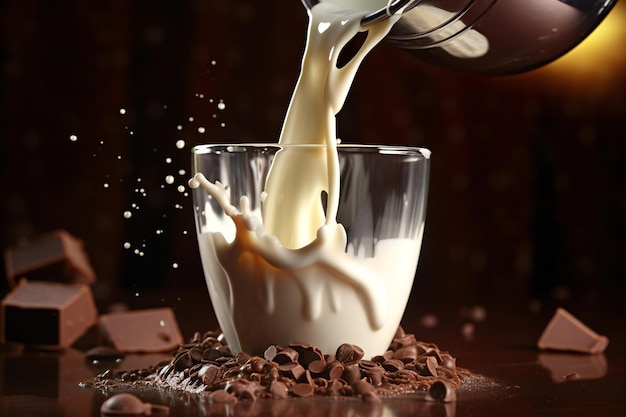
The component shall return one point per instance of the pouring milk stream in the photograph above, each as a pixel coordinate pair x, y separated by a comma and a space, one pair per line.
292, 254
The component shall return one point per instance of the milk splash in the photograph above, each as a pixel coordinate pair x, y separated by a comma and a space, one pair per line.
293, 256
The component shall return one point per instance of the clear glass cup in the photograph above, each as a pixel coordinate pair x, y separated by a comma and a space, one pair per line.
330, 291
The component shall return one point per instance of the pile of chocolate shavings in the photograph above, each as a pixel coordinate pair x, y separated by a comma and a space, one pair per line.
206, 366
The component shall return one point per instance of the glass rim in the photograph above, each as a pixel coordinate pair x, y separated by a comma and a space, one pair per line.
377, 148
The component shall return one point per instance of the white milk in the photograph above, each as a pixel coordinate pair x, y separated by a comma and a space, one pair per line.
283, 275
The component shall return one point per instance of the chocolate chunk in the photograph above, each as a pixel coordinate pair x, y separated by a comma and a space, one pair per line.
242, 358
351, 373
150, 330
441, 391
292, 370
448, 361
236, 388
406, 352
431, 367
257, 364
270, 353
336, 388
366, 391
565, 332
209, 373
126, 404
307, 353
286, 355
335, 370
317, 367
362, 387
303, 390
348, 352
183, 361
373, 371
57, 256
393, 365
47, 314
278, 389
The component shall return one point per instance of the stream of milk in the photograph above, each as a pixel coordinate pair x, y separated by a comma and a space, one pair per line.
286, 273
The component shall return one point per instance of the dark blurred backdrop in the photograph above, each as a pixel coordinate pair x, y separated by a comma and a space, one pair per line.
528, 185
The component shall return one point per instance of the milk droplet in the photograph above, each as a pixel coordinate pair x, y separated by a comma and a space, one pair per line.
201, 129
181, 188
168, 160
181, 172
180, 144
194, 183
106, 185
73, 138
127, 214
175, 265
126, 245
179, 127
169, 179
221, 105
191, 118
122, 111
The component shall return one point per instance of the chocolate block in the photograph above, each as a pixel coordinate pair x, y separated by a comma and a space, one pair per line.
47, 314
149, 330
565, 332
57, 256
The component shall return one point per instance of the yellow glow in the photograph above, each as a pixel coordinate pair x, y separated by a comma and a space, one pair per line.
602, 55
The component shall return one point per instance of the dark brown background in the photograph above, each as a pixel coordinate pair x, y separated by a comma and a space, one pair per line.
528, 185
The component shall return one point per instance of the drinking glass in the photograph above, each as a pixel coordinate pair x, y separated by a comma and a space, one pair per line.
323, 294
